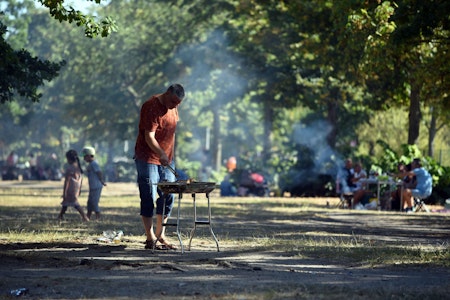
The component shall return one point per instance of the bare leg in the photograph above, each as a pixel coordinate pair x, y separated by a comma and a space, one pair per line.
357, 196
148, 226
62, 212
409, 202
80, 210
160, 232
407, 199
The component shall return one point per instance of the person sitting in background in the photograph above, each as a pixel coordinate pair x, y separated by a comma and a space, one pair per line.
359, 174
423, 188
408, 182
226, 187
34, 175
11, 164
344, 183
360, 190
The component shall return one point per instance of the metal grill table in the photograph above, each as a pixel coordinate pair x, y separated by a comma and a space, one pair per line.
192, 188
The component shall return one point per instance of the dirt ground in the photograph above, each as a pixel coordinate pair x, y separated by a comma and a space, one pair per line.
91, 270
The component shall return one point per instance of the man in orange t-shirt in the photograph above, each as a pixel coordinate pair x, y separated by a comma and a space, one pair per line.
154, 150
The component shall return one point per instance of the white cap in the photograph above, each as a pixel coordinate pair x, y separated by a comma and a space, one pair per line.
88, 151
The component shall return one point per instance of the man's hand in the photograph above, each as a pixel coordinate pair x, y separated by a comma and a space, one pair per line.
163, 159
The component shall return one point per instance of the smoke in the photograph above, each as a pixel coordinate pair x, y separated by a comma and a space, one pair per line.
314, 137
212, 82
212, 67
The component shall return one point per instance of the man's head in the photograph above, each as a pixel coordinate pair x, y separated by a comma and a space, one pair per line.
173, 96
416, 163
348, 163
177, 89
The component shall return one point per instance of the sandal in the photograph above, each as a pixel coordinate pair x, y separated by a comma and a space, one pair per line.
165, 245
150, 245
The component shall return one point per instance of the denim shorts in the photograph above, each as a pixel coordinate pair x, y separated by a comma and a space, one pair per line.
94, 199
148, 175
416, 193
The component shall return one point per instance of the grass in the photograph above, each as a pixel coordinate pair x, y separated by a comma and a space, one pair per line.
301, 227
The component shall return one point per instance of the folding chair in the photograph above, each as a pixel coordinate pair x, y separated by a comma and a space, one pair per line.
419, 205
345, 200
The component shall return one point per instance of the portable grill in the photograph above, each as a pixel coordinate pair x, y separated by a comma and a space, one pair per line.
186, 188
193, 188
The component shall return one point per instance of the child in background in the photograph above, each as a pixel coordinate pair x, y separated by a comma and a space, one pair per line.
96, 182
72, 185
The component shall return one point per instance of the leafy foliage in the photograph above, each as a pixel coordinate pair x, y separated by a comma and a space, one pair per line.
92, 28
400, 47
21, 72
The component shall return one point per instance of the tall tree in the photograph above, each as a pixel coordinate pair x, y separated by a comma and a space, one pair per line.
293, 48
398, 43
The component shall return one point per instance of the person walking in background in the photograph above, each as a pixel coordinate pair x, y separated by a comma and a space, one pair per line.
96, 182
154, 149
72, 185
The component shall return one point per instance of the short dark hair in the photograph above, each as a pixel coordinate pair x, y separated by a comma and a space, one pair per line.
417, 161
177, 89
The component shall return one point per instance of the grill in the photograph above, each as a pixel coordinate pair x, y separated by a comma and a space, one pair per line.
187, 187
193, 188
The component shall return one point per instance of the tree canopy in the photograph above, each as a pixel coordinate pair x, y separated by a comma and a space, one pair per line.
92, 27
260, 76
23, 73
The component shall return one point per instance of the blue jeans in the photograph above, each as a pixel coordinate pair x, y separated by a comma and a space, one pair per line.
148, 175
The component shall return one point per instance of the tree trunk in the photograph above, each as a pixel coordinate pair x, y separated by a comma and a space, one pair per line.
432, 133
267, 123
216, 147
415, 115
332, 111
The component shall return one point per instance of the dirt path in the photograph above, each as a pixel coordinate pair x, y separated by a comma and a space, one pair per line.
114, 272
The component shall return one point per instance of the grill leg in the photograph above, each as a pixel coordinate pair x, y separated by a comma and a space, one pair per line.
180, 195
177, 225
198, 222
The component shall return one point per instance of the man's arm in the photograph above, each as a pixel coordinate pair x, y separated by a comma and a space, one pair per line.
154, 145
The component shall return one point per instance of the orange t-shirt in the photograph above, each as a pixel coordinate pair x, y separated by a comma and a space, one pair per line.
155, 117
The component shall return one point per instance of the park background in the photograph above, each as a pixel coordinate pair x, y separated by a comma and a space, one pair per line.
288, 88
